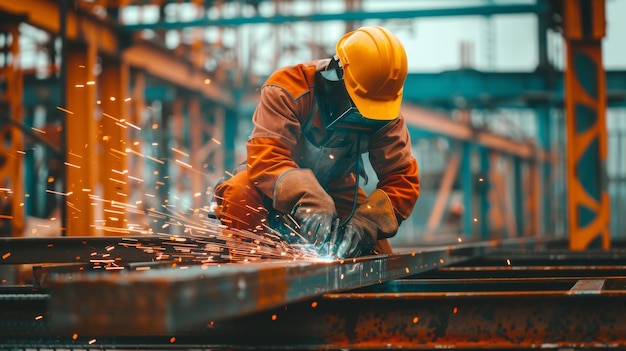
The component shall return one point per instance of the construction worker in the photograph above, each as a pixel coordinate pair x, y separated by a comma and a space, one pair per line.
313, 123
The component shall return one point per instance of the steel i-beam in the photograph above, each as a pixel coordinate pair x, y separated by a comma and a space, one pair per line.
169, 300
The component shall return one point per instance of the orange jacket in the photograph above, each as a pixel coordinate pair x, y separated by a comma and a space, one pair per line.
287, 101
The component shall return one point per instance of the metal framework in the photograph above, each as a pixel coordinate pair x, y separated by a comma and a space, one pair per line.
506, 295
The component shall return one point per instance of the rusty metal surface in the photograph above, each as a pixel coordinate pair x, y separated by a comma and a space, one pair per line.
460, 306
169, 300
429, 321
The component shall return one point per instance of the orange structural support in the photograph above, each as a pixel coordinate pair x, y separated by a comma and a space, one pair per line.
81, 163
12, 215
114, 142
585, 107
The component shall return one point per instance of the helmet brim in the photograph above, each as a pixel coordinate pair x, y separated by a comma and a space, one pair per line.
377, 109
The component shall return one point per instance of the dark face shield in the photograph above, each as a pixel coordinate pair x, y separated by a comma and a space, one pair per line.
336, 108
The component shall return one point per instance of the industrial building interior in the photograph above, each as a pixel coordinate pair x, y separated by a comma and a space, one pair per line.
119, 117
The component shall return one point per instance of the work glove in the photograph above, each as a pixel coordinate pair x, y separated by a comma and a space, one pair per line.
373, 220
298, 192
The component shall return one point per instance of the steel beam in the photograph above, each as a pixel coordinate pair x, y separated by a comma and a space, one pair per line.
485, 10
471, 88
165, 301
508, 299
12, 216
586, 142
80, 160
113, 144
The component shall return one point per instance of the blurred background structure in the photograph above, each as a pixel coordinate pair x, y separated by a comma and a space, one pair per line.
110, 108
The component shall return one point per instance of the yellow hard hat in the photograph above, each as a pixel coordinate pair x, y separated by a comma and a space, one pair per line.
375, 67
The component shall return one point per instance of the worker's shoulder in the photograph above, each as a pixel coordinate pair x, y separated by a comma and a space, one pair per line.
297, 80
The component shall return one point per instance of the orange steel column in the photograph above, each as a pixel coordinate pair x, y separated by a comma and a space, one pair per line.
585, 108
198, 187
12, 148
113, 142
135, 158
81, 127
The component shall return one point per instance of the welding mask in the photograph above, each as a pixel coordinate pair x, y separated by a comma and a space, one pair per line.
337, 110
362, 88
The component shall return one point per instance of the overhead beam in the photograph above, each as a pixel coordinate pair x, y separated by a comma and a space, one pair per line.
487, 10
443, 125
80, 26
469, 88
87, 28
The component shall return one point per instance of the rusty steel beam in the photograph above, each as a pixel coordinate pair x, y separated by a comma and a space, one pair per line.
565, 317
170, 300
554, 299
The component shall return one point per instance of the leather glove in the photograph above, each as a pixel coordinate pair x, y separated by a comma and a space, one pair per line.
298, 192
373, 220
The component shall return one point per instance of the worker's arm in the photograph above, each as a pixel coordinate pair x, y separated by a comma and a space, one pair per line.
392, 202
273, 171
392, 158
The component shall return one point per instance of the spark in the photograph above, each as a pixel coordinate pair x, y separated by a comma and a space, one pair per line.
415, 320
38, 130
216, 141
38, 317
55, 192
72, 165
6, 255
91, 82
154, 159
117, 180
118, 152
183, 164
73, 154
64, 110
132, 125
180, 152
109, 116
